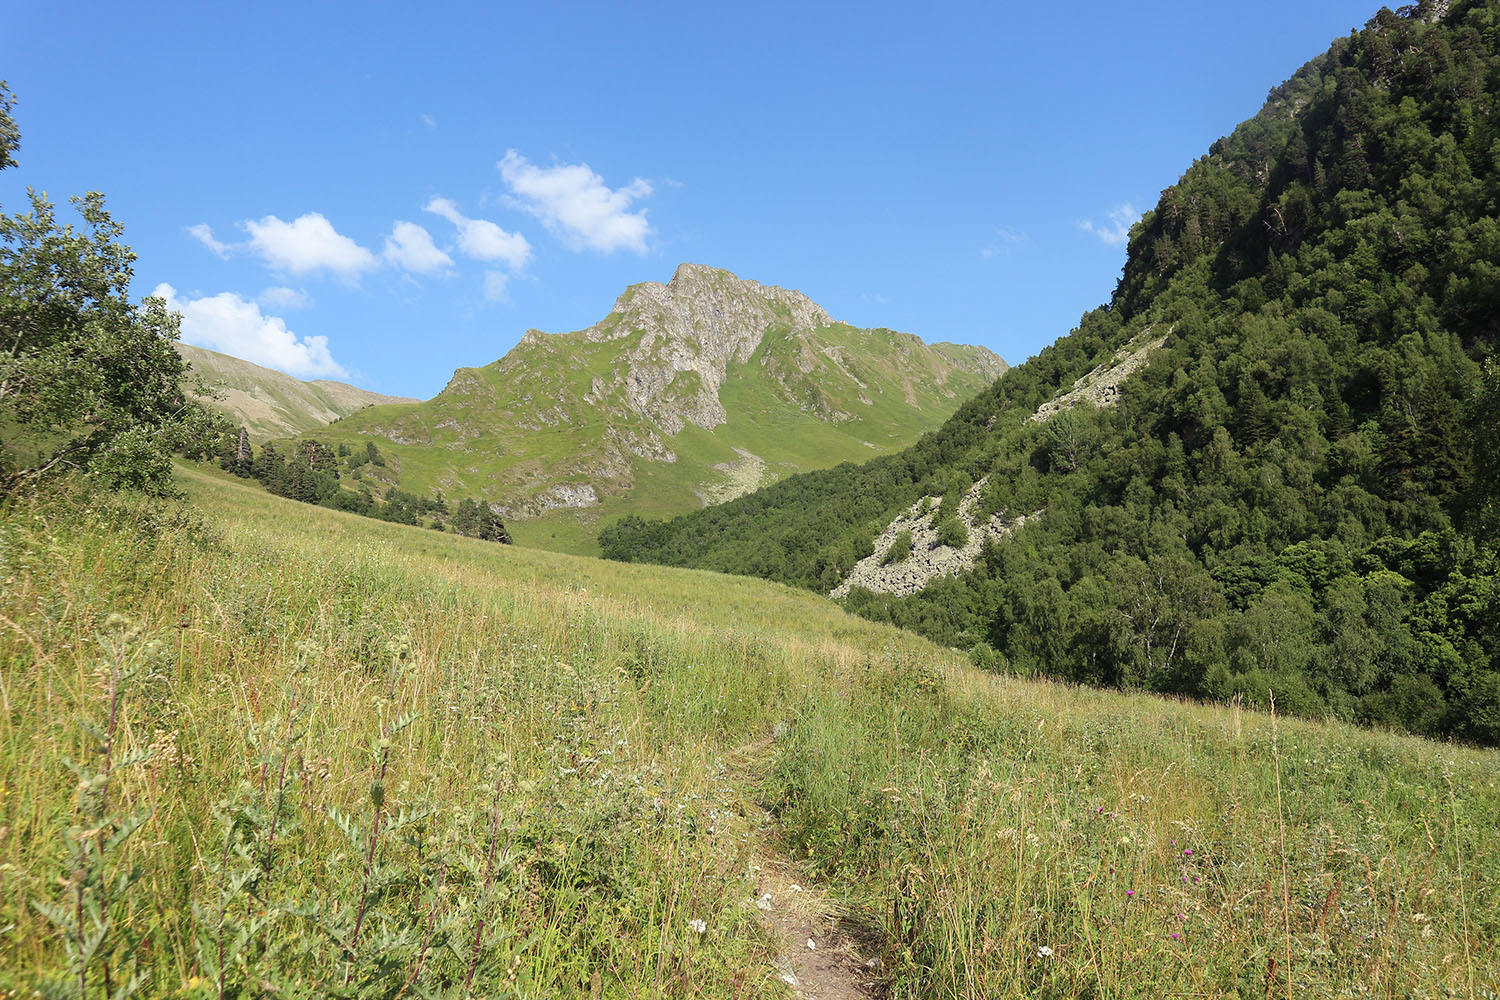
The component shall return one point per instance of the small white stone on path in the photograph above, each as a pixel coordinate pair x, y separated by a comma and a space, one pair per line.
811, 946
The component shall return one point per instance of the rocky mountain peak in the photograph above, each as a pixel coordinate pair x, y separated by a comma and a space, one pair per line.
723, 315
701, 321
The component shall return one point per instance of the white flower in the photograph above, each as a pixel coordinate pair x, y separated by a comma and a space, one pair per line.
698, 926
1044, 951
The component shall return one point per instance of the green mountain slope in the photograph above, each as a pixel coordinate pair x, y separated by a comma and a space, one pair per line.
270, 404
686, 394
1269, 464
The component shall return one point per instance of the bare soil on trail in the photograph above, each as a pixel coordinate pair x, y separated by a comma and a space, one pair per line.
821, 954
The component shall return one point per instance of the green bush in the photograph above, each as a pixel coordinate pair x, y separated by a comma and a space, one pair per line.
899, 550
952, 532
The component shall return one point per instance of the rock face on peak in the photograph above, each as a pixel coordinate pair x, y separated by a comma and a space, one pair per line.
702, 321
685, 393
712, 307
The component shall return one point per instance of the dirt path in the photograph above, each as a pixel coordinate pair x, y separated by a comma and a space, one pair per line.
822, 952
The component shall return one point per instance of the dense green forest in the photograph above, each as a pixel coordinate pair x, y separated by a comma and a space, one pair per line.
314, 472
1300, 494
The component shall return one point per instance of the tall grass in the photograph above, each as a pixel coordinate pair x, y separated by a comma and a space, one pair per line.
370, 760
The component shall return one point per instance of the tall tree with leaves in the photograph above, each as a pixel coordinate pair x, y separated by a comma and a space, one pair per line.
88, 379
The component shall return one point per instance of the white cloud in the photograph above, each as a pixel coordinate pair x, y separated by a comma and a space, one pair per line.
429, 121
228, 323
1006, 239
308, 243
410, 247
494, 286
1117, 230
204, 234
482, 239
574, 202
284, 298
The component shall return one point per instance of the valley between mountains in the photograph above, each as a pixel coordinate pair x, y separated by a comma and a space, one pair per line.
1164, 664
686, 394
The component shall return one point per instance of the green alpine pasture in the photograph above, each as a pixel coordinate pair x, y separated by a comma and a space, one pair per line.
805, 400
270, 404
250, 747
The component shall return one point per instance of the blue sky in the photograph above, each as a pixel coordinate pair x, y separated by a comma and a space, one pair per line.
385, 192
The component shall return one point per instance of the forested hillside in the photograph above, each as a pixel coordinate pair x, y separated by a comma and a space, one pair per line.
1299, 493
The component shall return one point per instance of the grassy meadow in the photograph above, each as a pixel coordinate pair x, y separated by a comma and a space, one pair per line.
250, 747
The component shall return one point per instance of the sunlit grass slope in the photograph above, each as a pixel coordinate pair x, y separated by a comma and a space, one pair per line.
386, 761
554, 411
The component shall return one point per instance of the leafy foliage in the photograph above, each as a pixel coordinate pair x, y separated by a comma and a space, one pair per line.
314, 472
88, 380
1298, 494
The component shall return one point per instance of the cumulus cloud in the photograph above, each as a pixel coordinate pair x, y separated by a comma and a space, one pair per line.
279, 297
482, 239
1115, 232
410, 247
494, 285
228, 323
574, 202
308, 243
204, 234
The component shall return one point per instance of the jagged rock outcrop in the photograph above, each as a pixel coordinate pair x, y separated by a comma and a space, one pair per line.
701, 321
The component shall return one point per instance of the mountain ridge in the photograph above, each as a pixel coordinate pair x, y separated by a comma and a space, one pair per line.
671, 400
273, 404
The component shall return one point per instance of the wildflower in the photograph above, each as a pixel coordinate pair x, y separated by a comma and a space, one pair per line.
1176, 936
1129, 893
697, 926
1044, 951
1188, 853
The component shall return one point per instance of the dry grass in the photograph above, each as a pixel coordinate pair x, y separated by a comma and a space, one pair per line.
559, 745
